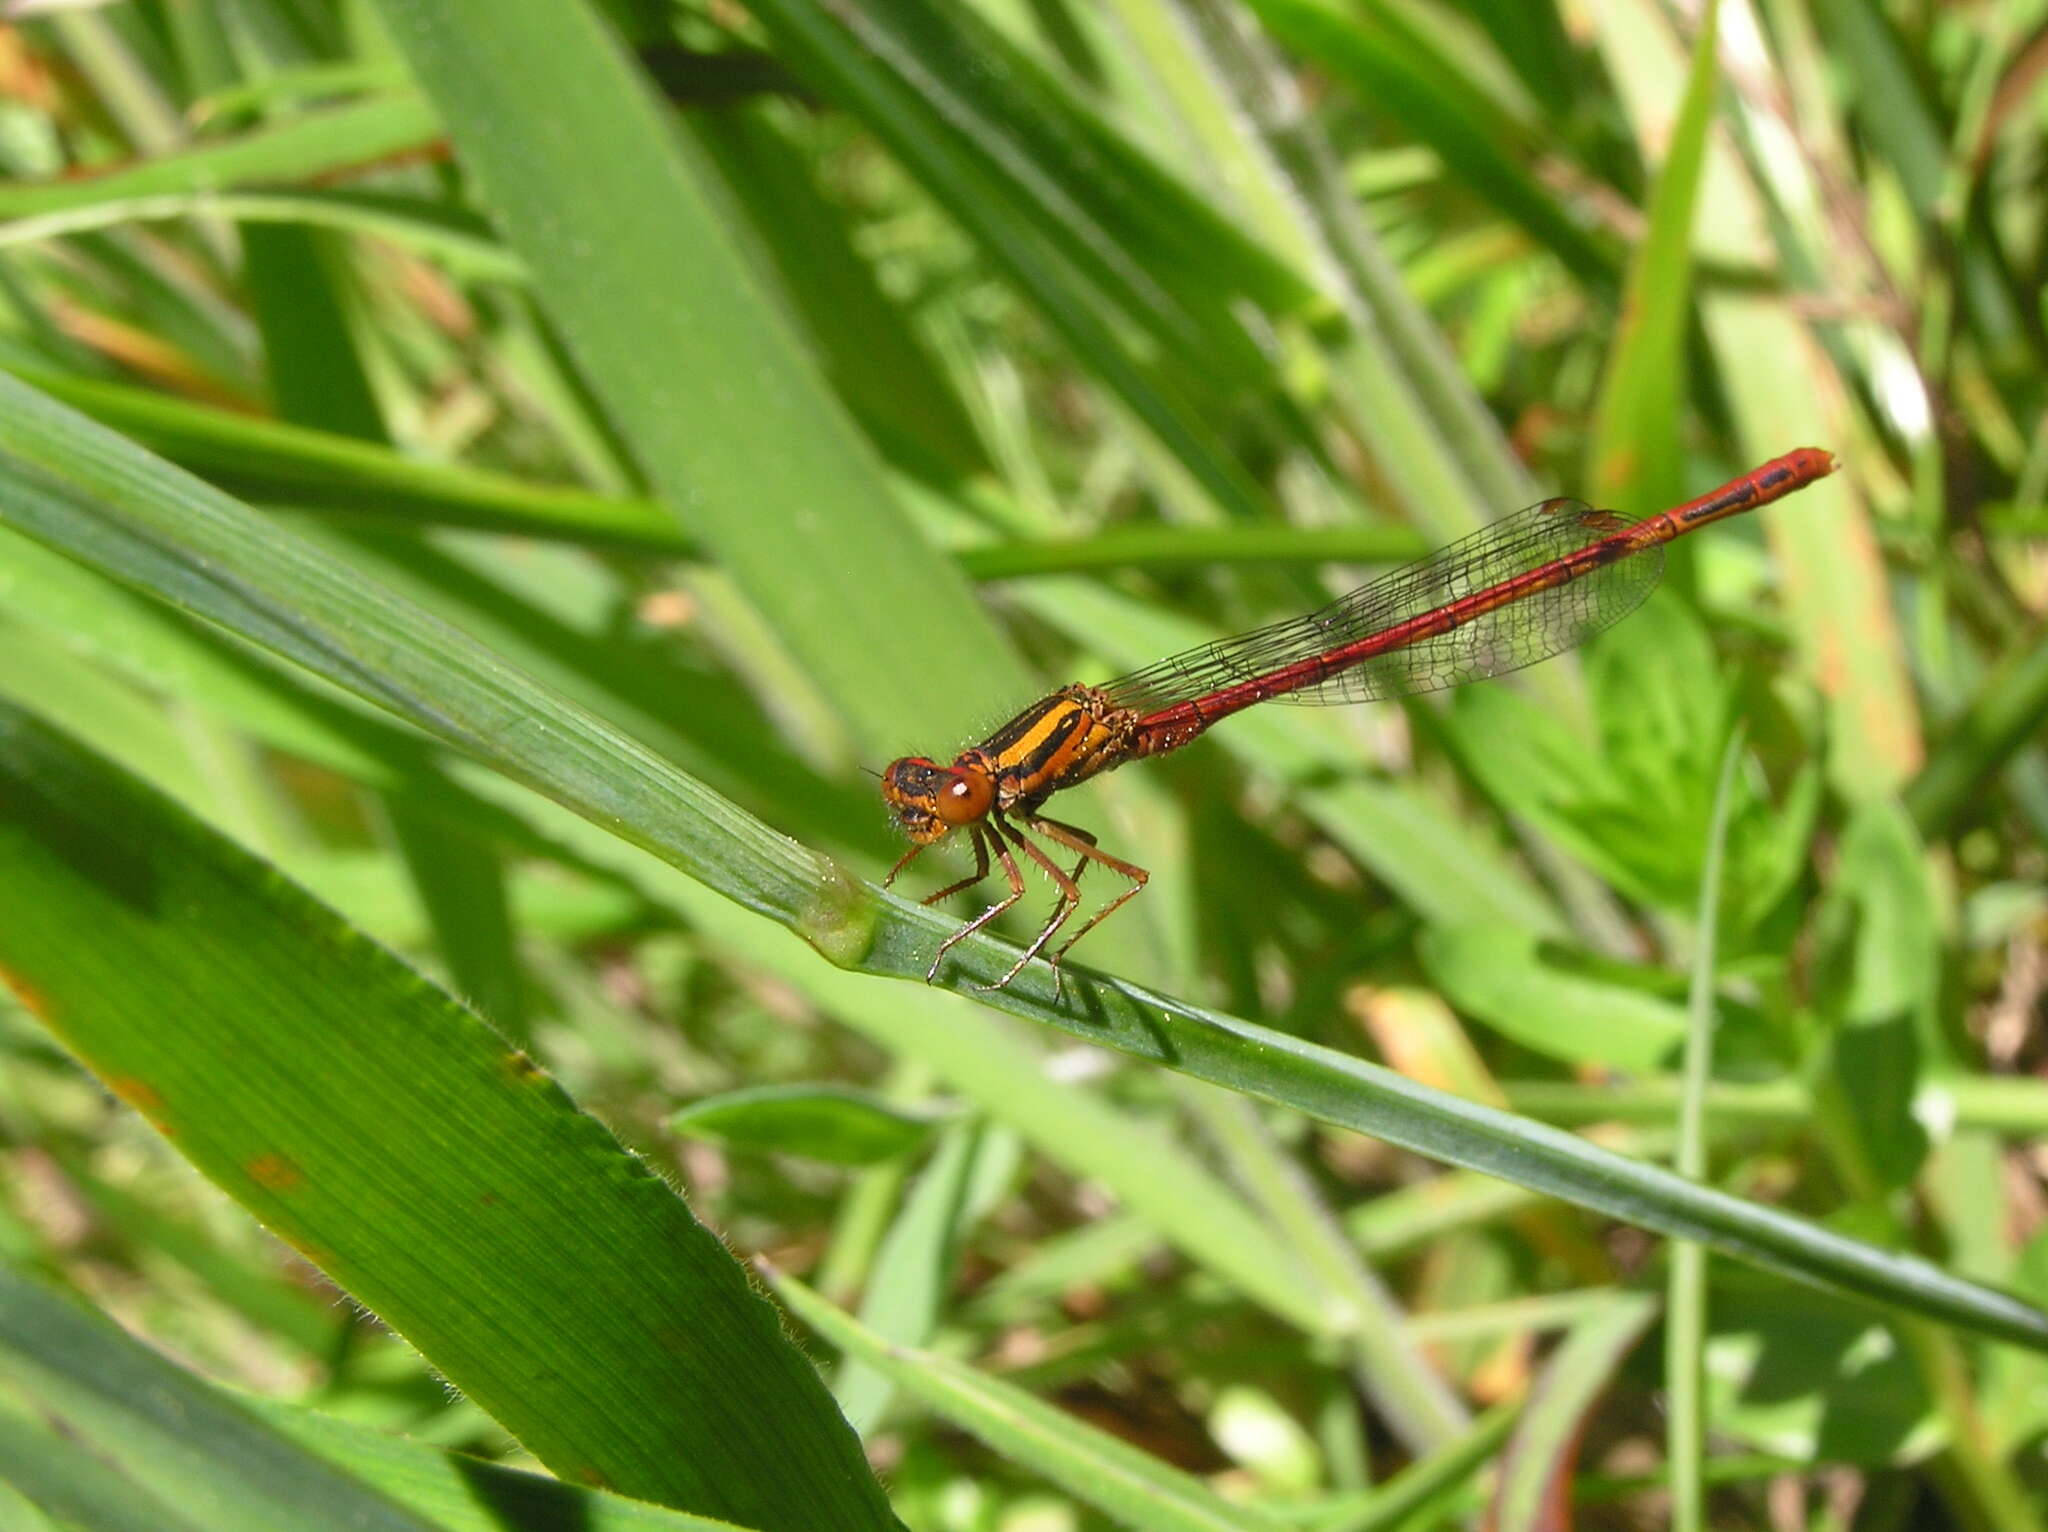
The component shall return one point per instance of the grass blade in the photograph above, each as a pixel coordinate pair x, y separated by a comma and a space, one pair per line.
1133, 1487
696, 368
1685, 1322
435, 1173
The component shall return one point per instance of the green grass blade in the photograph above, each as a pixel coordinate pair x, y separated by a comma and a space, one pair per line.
1473, 142
1419, 1405
275, 462
1428, 1479
1535, 1480
435, 1173
698, 371
462, 245
179, 1439
1133, 1487
915, 1266
2006, 715
298, 148
1635, 458
53, 1471
464, 1494
132, 1441
1685, 1304
1028, 204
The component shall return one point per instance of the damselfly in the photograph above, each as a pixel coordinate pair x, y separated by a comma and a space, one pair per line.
1519, 591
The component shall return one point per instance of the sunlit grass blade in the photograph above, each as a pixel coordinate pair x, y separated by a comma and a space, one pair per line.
294, 149
1428, 1480
1133, 1487
703, 378
1635, 458
1781, 387
461, 245
1031, 206
1685, 1304
1372, 60
1534, 1493
1420, 1406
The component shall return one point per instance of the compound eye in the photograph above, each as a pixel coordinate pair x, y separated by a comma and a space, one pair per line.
965, 797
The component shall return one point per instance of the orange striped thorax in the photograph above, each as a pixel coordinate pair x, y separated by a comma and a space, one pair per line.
1055, 743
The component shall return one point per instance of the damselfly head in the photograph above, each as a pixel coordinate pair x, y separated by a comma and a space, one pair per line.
929, 799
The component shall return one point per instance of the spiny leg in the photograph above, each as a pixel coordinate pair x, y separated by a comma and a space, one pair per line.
1087, 837
980, 869
902, 862
1010, 874
1074, 838
1070, 899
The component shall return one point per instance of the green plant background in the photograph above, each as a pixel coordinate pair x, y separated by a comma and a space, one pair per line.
480, 482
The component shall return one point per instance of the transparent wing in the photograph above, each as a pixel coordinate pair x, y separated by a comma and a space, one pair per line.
1543, 622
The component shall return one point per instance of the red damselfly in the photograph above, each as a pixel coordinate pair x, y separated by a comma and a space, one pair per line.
1519, 591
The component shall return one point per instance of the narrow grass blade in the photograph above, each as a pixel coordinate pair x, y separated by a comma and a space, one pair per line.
463, 246
1635, 455
1133, 1487
1422, 1409
1430, 1478
272, 461
297, 148
1473, 143
912, 1277
1534, 1494
1028, 179
2006, 715
1685, 1322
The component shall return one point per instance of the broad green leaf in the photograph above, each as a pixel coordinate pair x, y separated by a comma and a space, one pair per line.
178, 1442
433, 1172
1501, 978
129, 1441
1828, 1384
1871, 1076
